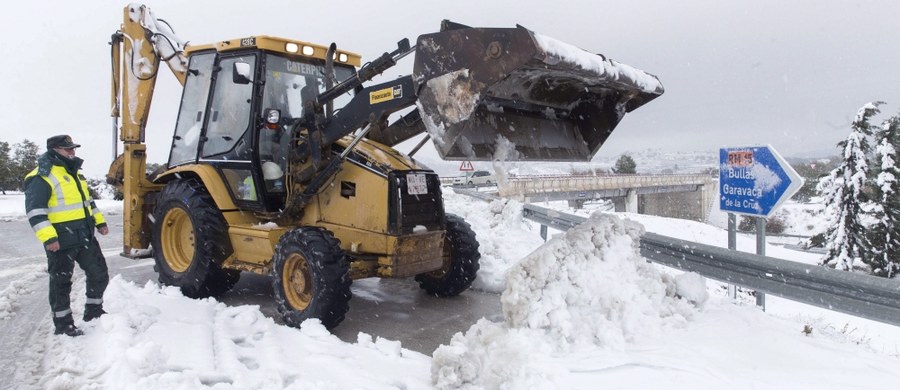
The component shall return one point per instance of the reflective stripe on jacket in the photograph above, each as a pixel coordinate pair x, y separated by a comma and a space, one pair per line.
66, 203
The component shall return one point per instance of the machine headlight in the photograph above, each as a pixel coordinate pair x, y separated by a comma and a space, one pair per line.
342, 57
291, 47
308, 50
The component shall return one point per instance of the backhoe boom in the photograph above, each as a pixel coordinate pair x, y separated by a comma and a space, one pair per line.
138, 48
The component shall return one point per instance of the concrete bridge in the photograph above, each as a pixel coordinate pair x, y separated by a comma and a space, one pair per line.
676, 196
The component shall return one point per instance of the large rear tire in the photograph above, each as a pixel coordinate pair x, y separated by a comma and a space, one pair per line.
311, 277
190, 240
460, 261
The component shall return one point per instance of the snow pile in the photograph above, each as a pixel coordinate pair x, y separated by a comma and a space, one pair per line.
155, 338
591, 286
9, 297
586, 289
494, 356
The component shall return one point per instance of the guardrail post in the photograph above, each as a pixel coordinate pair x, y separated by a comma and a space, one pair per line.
761, 250
732, 245
544, 232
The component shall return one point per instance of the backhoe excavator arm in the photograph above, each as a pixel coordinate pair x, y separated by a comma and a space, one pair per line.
138, 49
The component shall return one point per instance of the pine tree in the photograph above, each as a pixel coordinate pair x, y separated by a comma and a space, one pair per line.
844, 196
625, 164
7, 181
884, 236
25, 156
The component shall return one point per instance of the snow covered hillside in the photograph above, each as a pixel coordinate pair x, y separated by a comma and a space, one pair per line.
582, 310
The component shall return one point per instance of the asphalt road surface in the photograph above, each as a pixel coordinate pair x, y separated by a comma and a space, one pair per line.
395, 309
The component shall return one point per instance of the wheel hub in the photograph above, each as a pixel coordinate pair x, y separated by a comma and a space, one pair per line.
297, 282
177, 238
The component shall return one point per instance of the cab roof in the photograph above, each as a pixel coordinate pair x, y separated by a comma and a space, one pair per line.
278, 45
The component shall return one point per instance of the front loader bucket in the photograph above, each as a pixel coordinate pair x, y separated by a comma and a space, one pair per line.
511, 94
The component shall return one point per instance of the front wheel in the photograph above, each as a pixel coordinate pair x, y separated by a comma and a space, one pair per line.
190, 240
460, 261
311, 277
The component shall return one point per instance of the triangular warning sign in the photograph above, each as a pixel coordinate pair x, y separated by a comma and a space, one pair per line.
466, 166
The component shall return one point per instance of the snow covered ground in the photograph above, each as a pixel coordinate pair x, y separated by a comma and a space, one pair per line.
583, 310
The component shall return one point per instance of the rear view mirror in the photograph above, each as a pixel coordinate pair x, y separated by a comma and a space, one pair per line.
240, 74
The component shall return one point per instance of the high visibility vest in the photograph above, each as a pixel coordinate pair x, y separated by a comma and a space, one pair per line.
66, 202
248, 190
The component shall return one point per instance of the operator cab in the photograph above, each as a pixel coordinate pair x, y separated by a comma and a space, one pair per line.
239, 105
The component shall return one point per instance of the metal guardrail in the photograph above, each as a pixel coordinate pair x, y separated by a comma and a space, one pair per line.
861, 295
485, 196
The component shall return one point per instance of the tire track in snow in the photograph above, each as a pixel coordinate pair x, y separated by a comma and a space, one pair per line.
25, 317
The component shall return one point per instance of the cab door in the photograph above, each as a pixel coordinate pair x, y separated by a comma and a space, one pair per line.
191, 114
227, 139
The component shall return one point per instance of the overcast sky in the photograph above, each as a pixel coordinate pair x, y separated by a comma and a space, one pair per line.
736, 72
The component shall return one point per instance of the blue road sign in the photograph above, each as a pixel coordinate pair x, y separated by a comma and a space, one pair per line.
755, 180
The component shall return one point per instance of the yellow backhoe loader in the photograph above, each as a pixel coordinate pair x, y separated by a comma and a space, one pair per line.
282, 164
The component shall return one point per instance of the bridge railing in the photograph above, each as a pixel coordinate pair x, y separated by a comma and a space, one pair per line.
524, 185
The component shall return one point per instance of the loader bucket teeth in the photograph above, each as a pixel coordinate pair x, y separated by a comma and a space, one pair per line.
511, 94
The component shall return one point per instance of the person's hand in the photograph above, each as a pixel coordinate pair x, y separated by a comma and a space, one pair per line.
103, 230
53, 247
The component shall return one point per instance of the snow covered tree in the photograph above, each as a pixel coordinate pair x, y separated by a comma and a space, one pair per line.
7, 181
15, 163
884, 236
25, 156
843, 191
625, 164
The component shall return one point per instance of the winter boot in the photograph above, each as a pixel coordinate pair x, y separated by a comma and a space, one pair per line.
92, 311
66, 325
68, 330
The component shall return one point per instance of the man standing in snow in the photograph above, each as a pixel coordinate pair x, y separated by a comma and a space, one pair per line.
63, 216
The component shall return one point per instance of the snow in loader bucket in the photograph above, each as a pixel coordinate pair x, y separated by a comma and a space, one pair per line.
486, 91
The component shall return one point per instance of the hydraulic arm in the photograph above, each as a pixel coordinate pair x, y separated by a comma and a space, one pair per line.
138, 48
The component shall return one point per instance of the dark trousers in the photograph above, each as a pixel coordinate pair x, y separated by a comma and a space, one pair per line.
61, 264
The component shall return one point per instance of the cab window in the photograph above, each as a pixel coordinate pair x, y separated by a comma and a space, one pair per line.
289, 83
193, 105
241, 184
229, 113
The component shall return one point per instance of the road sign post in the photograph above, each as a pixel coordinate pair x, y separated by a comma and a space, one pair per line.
754, 181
